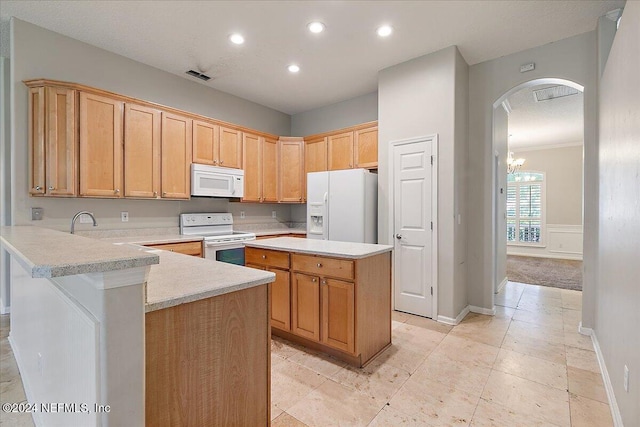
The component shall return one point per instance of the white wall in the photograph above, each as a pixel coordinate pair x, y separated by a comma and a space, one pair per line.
5, 181
617, 288
573, 59
426, 96
340, 115
500, 151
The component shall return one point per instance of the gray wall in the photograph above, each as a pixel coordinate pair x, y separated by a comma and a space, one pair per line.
340, 115
573, 59
417, 98
5, 175
37, 52
500, 151
617, 289
563, 177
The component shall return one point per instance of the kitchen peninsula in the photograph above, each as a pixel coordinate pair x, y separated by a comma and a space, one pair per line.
184, 342
329, 296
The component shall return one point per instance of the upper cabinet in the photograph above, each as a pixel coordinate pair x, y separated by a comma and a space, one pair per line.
252, 165
291, 170
175, 158
53, 169
366, 147
142, 129
315, 154
205, 142
230, 148
100, 146
340, 151
270, 170
355, 147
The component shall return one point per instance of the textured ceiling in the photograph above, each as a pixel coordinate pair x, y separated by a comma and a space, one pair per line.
537, 124
338, 64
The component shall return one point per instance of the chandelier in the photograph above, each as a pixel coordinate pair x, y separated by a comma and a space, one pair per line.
513, 165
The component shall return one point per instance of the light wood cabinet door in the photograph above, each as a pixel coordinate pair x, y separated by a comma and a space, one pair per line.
315, 155
340, 151
270, 170
305, 306
366, 148
62, 149
100, 146
185, 248
338, 318
205, 142
141, 151
37, 154
176, 156
252, 165
281, 300
291, 169
230, 152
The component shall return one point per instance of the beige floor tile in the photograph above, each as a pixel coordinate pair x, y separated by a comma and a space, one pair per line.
572, 300
535, 300
399, 316
571, 317
275, 412
286, 420
4, 326
543, 291
467, 377
587, 384
505, 313
528, 397
317, 362
333, 404
490, 414
439, 404
582, 359
532, 368
416, 338
283, 348
539, 307
425, 323
549, 320
589, 413
524, 330
389, 417
535, 347
276, 360
506, 302
400, 356
290, 382
576, 339
487, 331
467, 351
16, 420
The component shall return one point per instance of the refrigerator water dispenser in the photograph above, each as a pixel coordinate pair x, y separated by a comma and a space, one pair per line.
316, 226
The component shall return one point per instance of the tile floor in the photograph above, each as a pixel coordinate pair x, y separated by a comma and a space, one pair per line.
525, 366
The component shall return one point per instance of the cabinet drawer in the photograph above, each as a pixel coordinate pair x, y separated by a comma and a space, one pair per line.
188, 248
266, 257
321, 266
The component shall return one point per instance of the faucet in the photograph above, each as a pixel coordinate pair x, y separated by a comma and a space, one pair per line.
76, 216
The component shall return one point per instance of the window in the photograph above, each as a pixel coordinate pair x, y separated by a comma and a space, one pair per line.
525, 208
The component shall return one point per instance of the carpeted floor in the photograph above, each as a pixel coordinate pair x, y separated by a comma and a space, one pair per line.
557, 273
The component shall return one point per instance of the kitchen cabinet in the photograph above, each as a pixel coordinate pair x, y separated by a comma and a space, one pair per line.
305, 306
270, 170
186, 248
366, 147
340, 151
175, 157
315, 155
53, 142
142, 128
101, 146
205, 142
291, 169
278, 263
230, 151
252, 165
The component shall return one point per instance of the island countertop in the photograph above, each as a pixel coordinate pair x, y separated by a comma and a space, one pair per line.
321, 247
49, 253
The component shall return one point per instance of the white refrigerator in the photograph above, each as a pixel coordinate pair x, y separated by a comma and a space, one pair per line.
343, 205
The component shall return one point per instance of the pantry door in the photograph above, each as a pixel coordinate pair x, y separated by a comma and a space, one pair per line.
414, 220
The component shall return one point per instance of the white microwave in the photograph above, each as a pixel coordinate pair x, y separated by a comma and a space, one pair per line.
216, 181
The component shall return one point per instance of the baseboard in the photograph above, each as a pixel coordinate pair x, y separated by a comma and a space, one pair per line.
37, 421
502, 285
613, 404
584, 331
457, 320
482, 310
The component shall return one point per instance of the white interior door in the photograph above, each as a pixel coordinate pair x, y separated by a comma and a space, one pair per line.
413, 220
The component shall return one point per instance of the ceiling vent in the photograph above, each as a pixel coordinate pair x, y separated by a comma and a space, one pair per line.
554, 92
201, 76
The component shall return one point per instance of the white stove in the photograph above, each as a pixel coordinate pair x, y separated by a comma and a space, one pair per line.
221, 242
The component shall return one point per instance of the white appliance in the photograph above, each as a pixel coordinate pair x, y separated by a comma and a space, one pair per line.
221, 243
216, 181
342, 205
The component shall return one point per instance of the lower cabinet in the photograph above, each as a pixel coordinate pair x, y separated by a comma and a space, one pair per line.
305, 306
186, 248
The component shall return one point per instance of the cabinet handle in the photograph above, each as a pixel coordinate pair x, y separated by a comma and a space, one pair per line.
324, 282
221, 162
164, 193
155, 194
264, 257
319, 265
170, 250
215, 162
38, 188
51, 188
313, 280
350, 165
117, 190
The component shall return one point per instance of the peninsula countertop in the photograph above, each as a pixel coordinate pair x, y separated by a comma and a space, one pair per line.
321, 247
49, 253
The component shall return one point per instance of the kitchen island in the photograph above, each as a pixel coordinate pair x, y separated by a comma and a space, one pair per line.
89, 318
330, 296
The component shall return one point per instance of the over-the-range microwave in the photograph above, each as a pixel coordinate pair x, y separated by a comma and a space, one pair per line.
216, 181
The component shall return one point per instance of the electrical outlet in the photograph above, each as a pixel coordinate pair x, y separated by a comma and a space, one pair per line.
626, 378
273, 214
36, 214
241, 214
85, 219
124, 216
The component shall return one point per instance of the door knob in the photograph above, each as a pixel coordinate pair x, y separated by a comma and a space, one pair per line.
398, 236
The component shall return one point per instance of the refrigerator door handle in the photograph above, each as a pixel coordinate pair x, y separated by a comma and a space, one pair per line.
326, 196
325, 226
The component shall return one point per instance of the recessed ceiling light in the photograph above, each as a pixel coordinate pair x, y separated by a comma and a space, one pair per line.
315, 27
236, 38
384, 31
293, 68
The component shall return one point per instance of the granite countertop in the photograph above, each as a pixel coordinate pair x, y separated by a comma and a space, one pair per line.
180, 279
321, 247
273, 232
50, 253
153, 239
